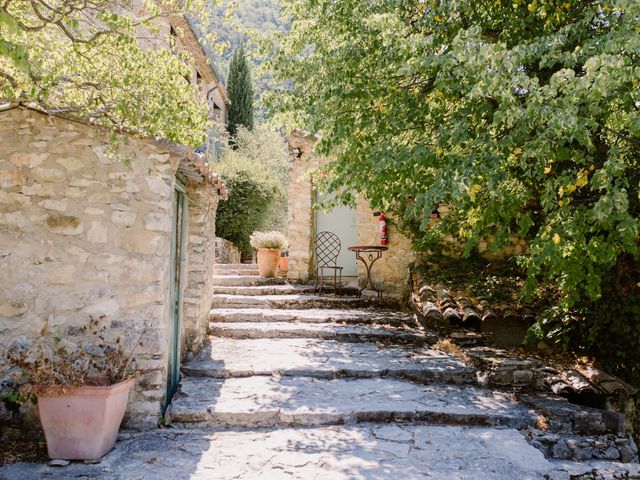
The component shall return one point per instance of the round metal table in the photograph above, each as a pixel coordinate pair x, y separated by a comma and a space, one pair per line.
375, 253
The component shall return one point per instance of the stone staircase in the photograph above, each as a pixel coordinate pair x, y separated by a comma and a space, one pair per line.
320, 371
294, 386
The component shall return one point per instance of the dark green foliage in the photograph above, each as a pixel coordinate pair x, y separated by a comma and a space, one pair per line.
607, 329
240, 89
249, 202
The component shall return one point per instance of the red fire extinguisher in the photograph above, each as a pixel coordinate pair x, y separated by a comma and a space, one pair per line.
382, 223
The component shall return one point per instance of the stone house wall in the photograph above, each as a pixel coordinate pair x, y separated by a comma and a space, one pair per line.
201, 247
301, 216
180, 34
390, 272
84, 234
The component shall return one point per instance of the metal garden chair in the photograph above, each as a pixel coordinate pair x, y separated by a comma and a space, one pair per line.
327, 248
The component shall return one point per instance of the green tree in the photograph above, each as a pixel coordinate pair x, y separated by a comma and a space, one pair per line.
87, 58
240, 88
255, 172
522, 115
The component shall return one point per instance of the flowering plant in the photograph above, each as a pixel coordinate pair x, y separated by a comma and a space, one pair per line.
268, 240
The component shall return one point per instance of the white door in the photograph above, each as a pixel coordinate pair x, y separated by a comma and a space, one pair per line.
341, 221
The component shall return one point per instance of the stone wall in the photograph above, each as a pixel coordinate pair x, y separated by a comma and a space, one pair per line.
301, 217
84, 234
390, 272
201, 248
517, 246
226, 252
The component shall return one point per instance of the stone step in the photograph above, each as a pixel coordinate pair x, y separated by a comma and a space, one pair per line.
280, 288
327, 331
237, 273
236, 266
229, 357
284, 401
232, 281
294, 301
318, 315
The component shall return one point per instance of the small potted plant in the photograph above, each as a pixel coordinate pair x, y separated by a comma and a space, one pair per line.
82, 390
284, 261
268, 245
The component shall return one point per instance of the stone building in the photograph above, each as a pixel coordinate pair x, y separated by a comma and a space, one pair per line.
184, 37
85, 234
128, 236
354, 226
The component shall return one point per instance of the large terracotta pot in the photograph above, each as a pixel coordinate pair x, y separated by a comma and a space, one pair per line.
268, 260
83, 422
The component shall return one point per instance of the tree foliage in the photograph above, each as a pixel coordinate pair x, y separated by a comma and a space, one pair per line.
522, 115
240, 88
87, 58
255, 173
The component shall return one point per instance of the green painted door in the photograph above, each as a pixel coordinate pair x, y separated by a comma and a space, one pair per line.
177, 264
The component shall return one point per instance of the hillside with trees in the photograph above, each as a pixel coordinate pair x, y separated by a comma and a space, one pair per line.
232, 24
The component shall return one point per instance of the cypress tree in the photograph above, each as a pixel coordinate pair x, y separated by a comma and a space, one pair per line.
240, 90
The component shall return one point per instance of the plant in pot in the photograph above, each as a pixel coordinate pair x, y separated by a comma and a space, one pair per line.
81, 390
268, 245
284, 261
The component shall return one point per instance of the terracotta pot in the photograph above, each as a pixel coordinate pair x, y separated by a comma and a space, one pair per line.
268, 260
284, 264
83, 422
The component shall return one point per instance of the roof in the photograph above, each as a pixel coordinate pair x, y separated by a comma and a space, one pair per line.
195, 28
192, 165
195, 168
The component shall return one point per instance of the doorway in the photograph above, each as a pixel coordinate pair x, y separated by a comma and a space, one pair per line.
176, 287
341, 220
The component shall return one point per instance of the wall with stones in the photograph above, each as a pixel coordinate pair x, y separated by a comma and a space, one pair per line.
390, 272
84, 234
226, 252
201, 252
301, 217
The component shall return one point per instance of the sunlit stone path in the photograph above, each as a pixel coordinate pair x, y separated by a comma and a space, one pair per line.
294, 385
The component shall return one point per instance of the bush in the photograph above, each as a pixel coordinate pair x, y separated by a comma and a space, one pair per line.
256, 175
608, 329
250, 195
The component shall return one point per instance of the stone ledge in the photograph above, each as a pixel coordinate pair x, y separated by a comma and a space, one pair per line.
272, 401
318, 315
233, 358
327, 331
581, 448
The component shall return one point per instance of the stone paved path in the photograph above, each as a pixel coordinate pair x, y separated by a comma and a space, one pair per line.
365, 451
299, 386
